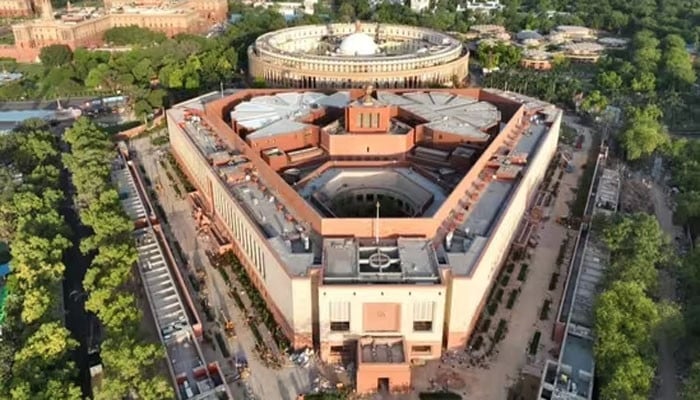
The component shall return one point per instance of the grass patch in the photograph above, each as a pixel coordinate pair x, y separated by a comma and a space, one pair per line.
194, 282
567, 134
500, 331
485, 325
256, 333
224, 275
222, 345
511, 298
478, 342
160, 140
510, 267
491, 308
553, 281
237, 298
562, 251
180, 173
535, 342
522, 275
499, 295
544, 313
505, 279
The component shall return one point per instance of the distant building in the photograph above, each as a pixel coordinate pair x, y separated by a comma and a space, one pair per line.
483, 6
16, 8
497, 32
356, 55
85, 27
420, 5
572, 32
535, 59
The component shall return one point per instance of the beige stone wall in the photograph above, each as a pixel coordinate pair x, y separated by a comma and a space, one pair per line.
360, 296
193, 16
289, 298
16, 8
281, 58
467, 294
280, 75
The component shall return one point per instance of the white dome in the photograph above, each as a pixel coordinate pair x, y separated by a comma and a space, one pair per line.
358, 44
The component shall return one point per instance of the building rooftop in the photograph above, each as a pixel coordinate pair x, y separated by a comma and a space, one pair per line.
418, 185
283, 109
292, 241
358, 44
403, 260
583, 48
456, 114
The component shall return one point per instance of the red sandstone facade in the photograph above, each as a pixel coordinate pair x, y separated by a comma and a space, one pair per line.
75, 30
16, 8
306, 305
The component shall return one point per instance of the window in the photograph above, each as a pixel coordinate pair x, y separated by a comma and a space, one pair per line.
423, 316
340, 326
421, 350
335, 350
340, 316
422, 326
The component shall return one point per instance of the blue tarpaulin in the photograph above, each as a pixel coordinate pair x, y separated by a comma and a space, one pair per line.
4, 269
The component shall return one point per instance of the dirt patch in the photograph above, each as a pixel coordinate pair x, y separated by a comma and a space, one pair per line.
634, 197
526, 388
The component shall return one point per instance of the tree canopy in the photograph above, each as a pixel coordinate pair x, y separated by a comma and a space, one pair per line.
626, 317
132, 35
56, 55
35, 347
128, 361
643, 133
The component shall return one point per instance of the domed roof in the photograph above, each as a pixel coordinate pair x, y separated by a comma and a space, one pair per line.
358, 44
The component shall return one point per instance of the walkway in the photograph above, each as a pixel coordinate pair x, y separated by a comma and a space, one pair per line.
668, 380
503, 370
264, 383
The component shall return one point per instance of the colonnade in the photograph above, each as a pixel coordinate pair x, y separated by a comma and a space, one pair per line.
283, 79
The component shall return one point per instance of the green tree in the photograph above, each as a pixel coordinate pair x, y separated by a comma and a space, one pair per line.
56, 55
644, 82
646, 52
132, 35
624, 318
594, 103
609, 81
631, 380
643, 133
691, 387
677, 67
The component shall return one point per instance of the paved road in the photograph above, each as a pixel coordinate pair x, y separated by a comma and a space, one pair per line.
667, 369
43, 104
78, 321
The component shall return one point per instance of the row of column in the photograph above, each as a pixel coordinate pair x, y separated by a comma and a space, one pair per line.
274, 78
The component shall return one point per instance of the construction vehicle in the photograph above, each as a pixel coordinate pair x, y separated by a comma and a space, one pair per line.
228, 326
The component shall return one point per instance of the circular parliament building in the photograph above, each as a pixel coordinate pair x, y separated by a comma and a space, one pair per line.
357, 55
